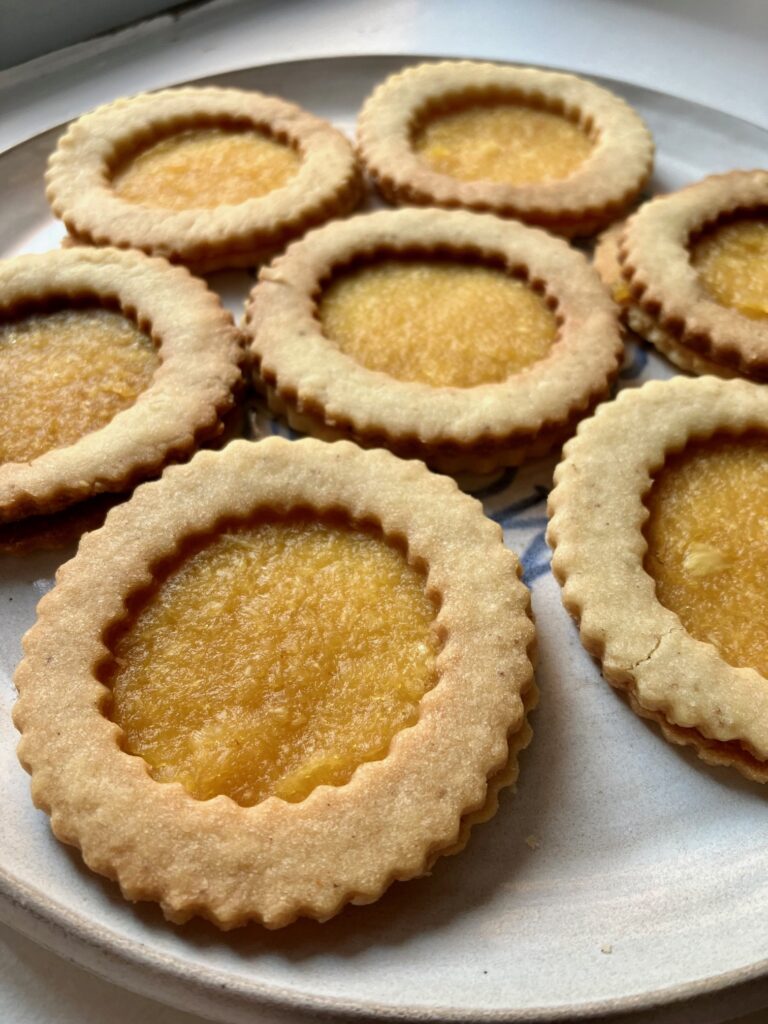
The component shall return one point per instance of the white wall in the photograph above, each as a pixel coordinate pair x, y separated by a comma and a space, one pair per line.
29, 28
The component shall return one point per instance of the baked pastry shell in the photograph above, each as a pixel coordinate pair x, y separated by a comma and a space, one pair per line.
327, 183
596, 531
322, 390
669, 304
643, 326
596, 193
276, 861
199, 349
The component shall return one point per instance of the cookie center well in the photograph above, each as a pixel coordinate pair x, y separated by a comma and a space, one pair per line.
66, 374
277, 658
506, 142
731, 259
205, 167
708, 545
440, 322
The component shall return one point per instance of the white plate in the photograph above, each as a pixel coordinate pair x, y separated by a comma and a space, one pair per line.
624, 875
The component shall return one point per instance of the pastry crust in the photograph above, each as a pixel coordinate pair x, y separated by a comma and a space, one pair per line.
595, 194
679, 354
58, 529
49, 532
199, 350
667, 303
321, 390
596, 531
327, 184
504, 778
606, 262
276, 861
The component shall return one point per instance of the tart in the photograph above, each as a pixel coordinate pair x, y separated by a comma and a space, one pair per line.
467, 341
548, 148
348, 649
208, 177
659, 535
693, 264
112, 364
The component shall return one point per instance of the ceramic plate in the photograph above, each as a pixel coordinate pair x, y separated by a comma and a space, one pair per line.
623, 875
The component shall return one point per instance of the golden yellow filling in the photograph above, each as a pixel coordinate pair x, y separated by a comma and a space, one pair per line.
708, 545
732, 263
65, 374
439, 322
206, 167
505, 143
276, 659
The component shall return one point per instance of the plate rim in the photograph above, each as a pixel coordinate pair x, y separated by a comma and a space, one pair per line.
60, 922
412, 58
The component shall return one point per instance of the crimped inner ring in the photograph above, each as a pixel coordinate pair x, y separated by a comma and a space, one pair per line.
415, 255
164, 572
466, 99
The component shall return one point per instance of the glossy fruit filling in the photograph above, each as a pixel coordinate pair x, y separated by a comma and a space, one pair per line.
506, 143
277, 658
440, 322
732, 262
206, 167
66, 374
708, 545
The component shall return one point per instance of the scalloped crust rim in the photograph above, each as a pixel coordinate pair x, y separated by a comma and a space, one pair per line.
597, 511
327, 184
598, 192
321, 390
191, 391
275, 861
667, 303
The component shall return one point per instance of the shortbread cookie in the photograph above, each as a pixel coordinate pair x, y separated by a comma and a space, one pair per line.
661, 546
208, 177
112, 364
552, 149
462, 339
694, 265
304, 676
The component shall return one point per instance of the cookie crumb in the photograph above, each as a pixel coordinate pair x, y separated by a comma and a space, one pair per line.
533, 841
607, 948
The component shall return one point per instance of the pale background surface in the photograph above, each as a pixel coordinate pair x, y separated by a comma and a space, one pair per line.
30, 28
703, 50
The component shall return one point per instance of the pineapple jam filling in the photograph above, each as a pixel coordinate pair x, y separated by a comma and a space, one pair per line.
66, 374
732, 263
506, 143
276, 659
206, 167
439, 322
708, 545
